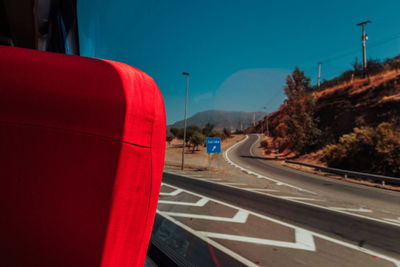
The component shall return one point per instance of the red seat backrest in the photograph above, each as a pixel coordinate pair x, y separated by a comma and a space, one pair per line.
82, 145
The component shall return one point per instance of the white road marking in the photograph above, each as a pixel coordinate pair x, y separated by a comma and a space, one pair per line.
257, 174
229, 183
200, 203
296, 228
390, 221
260, 189
240, 217
173, 193
304, 240
350, 209
301, 198
396, 221
217, 245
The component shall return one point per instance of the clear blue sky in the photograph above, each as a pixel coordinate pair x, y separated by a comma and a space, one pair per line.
238, 52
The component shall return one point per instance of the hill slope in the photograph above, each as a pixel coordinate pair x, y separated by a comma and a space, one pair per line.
361, 102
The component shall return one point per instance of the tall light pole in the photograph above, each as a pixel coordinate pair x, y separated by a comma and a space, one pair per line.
364, 38
184, 127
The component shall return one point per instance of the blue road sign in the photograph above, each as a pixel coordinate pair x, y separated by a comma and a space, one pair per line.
213, 145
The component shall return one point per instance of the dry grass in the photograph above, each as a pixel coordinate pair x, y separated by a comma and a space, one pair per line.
359, 85
197, 159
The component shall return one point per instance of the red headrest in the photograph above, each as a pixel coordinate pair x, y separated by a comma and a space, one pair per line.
82, 146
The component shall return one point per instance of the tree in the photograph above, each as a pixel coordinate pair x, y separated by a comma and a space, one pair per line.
170, 137
190, 130
197, 139
227, 133
297, 85
207, 129
301, 125
217, 133
175, 131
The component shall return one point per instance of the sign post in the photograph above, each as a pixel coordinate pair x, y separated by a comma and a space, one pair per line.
213, 147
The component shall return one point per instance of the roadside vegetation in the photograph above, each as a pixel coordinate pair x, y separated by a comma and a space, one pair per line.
196, 137
366, 149
298, 129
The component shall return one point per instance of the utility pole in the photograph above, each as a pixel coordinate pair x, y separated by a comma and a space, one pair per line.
184, 127
364, 38
319, 75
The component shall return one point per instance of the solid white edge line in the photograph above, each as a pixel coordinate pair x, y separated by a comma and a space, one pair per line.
366, 251
210, 241
351, 209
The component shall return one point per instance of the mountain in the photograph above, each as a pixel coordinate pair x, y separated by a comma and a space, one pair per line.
230, 120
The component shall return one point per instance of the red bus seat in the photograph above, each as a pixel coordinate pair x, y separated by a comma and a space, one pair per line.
82, 145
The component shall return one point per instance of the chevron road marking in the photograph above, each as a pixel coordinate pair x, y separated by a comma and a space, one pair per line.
173, 193
200, 203
304, 240
213, 243
240, 217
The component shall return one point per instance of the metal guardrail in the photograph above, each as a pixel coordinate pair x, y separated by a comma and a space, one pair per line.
376, 178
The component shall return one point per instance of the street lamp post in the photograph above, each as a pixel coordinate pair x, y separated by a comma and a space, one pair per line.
184, 127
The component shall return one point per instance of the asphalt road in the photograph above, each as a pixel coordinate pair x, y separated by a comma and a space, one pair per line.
245, 155
303, 221
382, 204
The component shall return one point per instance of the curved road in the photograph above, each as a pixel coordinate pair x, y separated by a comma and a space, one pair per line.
384, 203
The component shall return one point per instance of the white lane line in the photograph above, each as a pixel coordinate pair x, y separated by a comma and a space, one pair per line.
173, 193
200, 203
301, 198
257, 174
240, 217
350, 209
396, 221
213, 243
229, 183
229, 252
260, 189
304, 240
